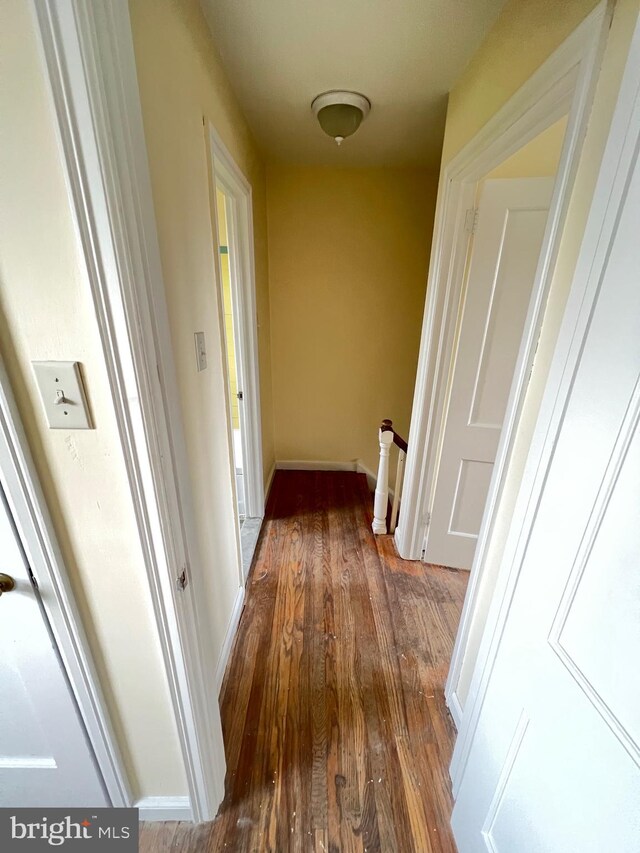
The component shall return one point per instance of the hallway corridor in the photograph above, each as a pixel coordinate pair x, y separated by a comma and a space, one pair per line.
336, 732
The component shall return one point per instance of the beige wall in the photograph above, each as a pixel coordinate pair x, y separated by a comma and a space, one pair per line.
525, 34
493, 62
181, 80
348, 252
46, 312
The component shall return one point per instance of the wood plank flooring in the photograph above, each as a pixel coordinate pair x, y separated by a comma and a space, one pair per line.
336, 731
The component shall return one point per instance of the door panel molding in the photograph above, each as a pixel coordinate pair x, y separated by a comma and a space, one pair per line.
510, 221
503, 781
628, 432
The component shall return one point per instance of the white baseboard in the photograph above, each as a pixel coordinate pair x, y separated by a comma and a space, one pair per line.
323, 465
267, 488
313, 465
164, 808
371, 477
453, 704
228, 639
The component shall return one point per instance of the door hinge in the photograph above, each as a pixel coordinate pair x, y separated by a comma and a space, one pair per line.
182, 580
240, 395
32, 578
471, 220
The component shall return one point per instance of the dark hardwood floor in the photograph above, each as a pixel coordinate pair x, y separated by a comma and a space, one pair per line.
336, 731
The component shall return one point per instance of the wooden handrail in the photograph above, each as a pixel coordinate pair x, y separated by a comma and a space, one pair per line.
381, 498
400, 442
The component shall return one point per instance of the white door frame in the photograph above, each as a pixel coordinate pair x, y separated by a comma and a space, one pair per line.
563, 85
227, 174
31, 517
620, 154
90, 64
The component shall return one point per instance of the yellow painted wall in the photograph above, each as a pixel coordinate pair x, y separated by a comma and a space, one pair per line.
518, 44
525, 34
348, 251
46, 312
539, 158
223, 239
181, 80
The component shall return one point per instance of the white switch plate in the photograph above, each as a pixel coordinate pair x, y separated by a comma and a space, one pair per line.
62, 393
201, 351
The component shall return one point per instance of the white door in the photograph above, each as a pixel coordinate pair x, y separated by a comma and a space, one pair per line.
45, 758
554, 763
512, 215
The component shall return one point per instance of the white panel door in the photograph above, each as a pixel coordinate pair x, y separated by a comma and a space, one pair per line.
45, 758
512, 215
554, 764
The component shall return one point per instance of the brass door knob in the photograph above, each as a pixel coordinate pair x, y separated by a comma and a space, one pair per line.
7, 583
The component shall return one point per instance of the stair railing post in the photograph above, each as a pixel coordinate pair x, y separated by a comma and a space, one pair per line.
381, 497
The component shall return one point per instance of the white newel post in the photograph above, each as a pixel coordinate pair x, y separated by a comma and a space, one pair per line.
381, 497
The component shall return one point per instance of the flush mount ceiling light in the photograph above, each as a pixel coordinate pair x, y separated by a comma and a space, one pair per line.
340, 113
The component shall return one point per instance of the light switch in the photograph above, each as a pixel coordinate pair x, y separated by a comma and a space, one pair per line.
62, 394
201, 351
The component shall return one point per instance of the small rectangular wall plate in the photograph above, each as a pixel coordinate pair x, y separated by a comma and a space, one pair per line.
201, 351
62, 394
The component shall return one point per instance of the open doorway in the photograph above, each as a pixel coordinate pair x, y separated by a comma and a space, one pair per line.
230, 318
503, 245
234, 237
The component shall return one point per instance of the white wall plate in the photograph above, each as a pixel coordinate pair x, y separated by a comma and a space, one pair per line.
62, 393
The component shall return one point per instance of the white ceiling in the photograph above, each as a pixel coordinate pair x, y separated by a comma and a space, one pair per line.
404, 55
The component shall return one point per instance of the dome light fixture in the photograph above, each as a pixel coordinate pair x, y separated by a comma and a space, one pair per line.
340, 113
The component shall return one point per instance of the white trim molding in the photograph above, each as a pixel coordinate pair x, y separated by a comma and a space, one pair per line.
31, 517
164, 808
618, 161
361, 468
563, 85
229, 637
90, 64
372, 478
455, 709
267, 488
313, 465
